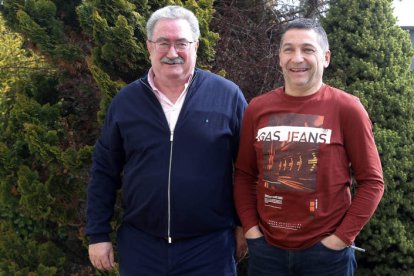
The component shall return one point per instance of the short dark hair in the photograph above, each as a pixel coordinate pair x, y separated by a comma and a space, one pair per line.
308, 24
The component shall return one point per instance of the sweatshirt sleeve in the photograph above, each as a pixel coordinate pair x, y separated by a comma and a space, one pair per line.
366, 166
107, 165
246, 174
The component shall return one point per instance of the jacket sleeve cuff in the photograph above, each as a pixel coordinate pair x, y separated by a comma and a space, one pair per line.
99, 238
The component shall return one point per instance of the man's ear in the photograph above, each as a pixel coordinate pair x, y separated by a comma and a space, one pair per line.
197, 43
327, 59
149, 46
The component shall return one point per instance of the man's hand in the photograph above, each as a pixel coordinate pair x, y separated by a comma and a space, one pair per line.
253, 233
333, 242
101, 255
241, 244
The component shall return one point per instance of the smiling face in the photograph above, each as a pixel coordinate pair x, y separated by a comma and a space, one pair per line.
171, 31
302, 60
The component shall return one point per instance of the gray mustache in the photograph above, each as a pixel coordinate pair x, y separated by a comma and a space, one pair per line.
176, 60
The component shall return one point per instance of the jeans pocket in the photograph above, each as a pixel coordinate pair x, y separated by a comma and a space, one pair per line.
256, 244
324, 247
255, 240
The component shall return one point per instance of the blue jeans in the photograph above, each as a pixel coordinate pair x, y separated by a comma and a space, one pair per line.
265, 259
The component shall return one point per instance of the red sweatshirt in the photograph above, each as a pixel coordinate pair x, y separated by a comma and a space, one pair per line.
293, 172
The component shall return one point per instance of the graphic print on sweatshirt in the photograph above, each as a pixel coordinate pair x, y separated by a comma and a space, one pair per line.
290, 151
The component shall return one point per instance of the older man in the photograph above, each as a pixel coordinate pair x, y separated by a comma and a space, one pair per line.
169, 141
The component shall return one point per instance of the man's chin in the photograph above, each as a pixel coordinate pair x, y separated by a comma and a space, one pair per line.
176, 73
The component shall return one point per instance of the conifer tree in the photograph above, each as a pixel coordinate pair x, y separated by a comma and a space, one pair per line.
49, 120
371, 58
41, 178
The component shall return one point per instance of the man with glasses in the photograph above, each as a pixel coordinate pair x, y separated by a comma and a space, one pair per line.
169, 141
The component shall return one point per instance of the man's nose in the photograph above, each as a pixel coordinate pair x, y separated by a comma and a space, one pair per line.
172, 52
297, 56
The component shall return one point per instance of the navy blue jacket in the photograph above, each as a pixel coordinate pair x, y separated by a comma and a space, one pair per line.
173, 184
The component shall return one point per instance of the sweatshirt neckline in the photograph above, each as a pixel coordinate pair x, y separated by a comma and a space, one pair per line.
315, 95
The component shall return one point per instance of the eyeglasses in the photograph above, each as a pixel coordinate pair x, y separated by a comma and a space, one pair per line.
164, 46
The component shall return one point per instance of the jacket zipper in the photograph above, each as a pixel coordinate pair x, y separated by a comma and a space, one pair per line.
169, 238
169, 188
